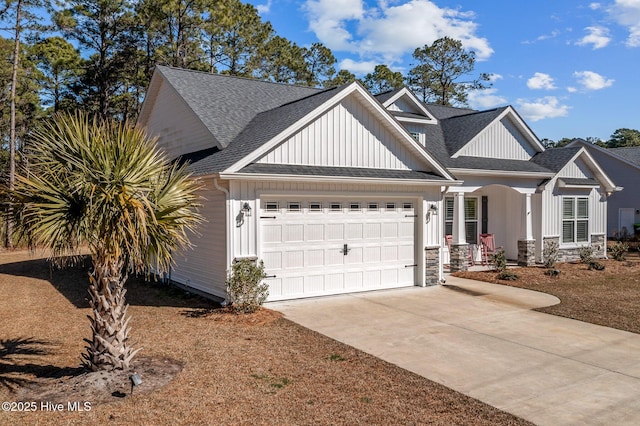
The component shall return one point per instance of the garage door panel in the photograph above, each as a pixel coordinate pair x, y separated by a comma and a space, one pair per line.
272, 260
272, 233
389, 230
354, 231
304, 249
314, 258
334, 231
293, 233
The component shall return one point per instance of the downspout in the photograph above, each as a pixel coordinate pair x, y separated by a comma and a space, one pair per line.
227, 233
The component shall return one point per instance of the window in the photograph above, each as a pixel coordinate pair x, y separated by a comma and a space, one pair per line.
416, 136
354, 206
407, 206
271, 206
294, 207
372, 206
575, 220
315, 207
470, 218
335, 207
391, 206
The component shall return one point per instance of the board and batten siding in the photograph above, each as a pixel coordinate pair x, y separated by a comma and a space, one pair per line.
348, 135
204, 267
178, 129
552, 210
502, 140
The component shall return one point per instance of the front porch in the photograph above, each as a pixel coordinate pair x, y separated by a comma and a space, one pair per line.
510, 214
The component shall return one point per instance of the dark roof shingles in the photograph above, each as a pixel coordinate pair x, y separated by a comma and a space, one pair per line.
355, 172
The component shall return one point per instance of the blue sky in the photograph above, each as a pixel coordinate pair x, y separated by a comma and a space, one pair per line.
570, 68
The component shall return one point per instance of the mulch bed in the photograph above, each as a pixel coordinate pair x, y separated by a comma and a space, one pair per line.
199, 364
609, 297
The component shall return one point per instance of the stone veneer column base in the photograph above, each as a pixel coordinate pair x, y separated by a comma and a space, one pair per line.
458, 257
598, 243
432, 265
526, 252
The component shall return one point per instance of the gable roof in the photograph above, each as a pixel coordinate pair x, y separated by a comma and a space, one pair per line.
628, 155
459, 130
555, 159
213, 96
388, 98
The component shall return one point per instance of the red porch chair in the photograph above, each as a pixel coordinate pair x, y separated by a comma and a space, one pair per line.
487, 247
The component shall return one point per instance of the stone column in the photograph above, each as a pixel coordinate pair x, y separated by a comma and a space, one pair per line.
432, 265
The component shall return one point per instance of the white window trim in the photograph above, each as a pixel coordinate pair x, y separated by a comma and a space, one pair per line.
575, 220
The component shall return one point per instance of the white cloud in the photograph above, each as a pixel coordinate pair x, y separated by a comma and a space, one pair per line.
598, 37
627, 14
485, 99
594, 6
391, 29
592, 80
358, 67
541, 81
553, 34
328, 19
495, 77
571, 89
263, 9
539, 109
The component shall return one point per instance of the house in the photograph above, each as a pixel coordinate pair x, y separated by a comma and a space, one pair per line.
623, 165
340, 191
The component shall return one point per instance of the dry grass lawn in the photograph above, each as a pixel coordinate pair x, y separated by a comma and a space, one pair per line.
609, 297
261, 369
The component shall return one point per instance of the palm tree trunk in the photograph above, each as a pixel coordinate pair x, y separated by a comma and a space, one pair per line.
109, 348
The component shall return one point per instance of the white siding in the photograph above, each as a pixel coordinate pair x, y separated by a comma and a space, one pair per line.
416, 128
500, 140
348, 135
205, 266
176, 125
552, 210
576, 169
405, 106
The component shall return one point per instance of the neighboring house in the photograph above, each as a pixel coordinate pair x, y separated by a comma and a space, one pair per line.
623, 166
341, 191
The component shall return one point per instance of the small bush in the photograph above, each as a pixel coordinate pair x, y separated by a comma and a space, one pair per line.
499, 260
245, 288
552, 272
619, 251
550, 254
507, 276
597, 266
586, 254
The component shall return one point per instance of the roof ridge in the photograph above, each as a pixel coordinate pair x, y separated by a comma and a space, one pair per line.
238, 77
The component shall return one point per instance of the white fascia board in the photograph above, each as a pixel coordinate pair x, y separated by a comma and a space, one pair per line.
406, 92
608, 184
354, 87
332, 179
521, 125
414, 120
500, 173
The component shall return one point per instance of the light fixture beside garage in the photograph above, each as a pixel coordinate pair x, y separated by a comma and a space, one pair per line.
246, 209
432, 211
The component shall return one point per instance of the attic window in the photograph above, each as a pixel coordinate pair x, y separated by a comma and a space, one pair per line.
416, 136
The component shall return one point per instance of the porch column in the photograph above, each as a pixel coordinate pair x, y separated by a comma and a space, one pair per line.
459, 248
526, 243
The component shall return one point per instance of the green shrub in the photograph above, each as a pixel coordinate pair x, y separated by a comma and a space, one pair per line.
499, 260
586, 254
508, 276
245, 288
619, 251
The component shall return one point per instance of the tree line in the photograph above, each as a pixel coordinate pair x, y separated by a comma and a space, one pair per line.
621, 138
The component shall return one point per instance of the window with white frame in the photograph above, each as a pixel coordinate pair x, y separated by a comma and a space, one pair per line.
575, 220
470, 218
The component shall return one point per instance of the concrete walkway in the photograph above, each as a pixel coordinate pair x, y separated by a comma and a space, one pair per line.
485, 341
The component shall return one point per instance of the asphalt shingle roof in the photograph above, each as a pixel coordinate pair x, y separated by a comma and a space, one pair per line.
631, 153
459, 130
555, 159
226, 104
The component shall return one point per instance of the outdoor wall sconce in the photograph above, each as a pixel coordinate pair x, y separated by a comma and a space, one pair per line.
135, 380
432, 211
246, 209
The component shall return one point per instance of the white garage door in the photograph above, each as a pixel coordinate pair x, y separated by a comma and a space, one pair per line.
314, 248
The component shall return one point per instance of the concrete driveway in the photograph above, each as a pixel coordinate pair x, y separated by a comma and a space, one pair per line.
485, 341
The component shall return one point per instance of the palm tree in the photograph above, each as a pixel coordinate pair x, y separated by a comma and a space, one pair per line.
105, 186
